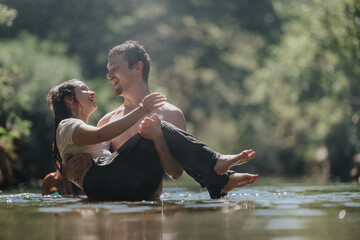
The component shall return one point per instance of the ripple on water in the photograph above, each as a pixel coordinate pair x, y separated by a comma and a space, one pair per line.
288, 238
283, 200
303, 212
130, 209
257, 212
54, 209
36, 199
285, 224
352, 204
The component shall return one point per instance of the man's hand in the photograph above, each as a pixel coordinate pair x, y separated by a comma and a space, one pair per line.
150, 127
74, 165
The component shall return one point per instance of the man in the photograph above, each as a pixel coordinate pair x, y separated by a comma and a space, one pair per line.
128, 71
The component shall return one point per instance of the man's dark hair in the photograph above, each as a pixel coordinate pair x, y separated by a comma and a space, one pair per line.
133, 52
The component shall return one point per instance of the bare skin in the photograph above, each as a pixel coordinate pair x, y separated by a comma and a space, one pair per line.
74, 165
129, 84
54, 182
227, 161
150, 128
238, 180
85, 134
167, 161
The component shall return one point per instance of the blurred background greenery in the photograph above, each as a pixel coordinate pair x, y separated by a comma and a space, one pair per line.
278, 76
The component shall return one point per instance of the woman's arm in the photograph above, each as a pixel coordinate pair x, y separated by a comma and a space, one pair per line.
150, 128
86, 134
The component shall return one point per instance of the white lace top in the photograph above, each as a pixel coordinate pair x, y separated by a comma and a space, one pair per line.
65, 144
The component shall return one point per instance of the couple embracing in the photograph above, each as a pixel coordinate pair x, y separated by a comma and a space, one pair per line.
125, 156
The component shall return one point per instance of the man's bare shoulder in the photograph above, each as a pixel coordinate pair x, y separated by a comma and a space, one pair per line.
173, 114
105, 119
168, 107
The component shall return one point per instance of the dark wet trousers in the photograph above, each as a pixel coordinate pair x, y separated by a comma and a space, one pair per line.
134, 172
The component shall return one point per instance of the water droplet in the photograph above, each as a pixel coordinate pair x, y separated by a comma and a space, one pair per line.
342, 214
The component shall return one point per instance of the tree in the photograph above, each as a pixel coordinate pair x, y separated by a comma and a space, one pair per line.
7, 15
11, 126
29, 68
308, 89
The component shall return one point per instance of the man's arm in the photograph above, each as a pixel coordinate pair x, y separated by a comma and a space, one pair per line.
172, 167
150, 128
174, 116
74, 165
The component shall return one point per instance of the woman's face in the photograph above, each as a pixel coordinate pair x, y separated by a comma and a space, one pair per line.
85, 97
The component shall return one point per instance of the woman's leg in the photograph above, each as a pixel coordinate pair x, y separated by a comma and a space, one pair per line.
131, 173
206, 166
134, 171
196, 158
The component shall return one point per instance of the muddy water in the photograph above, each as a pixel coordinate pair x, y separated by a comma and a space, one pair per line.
281, 211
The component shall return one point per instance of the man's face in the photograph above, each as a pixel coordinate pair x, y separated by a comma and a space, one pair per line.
119, 74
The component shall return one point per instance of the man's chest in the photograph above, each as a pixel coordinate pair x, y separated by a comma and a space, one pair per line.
126, 135
118, 141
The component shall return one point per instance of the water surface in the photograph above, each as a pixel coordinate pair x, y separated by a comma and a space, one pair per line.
280, 211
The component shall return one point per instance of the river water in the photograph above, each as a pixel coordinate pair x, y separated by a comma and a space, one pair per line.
294, 211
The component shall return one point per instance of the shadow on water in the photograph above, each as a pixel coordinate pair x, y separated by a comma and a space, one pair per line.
284, 211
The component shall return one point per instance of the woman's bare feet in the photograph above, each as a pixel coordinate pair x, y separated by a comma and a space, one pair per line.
238, 180
225, 162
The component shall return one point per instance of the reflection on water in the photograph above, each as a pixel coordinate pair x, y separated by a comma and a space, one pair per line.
257, 212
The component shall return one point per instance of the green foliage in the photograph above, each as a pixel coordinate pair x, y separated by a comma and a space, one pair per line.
277, 76
29, 69
12, 127
7, 15
309, 84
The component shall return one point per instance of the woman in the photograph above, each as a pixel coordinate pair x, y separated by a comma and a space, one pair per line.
134, 171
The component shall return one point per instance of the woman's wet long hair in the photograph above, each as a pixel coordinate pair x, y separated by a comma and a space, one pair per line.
56, 102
